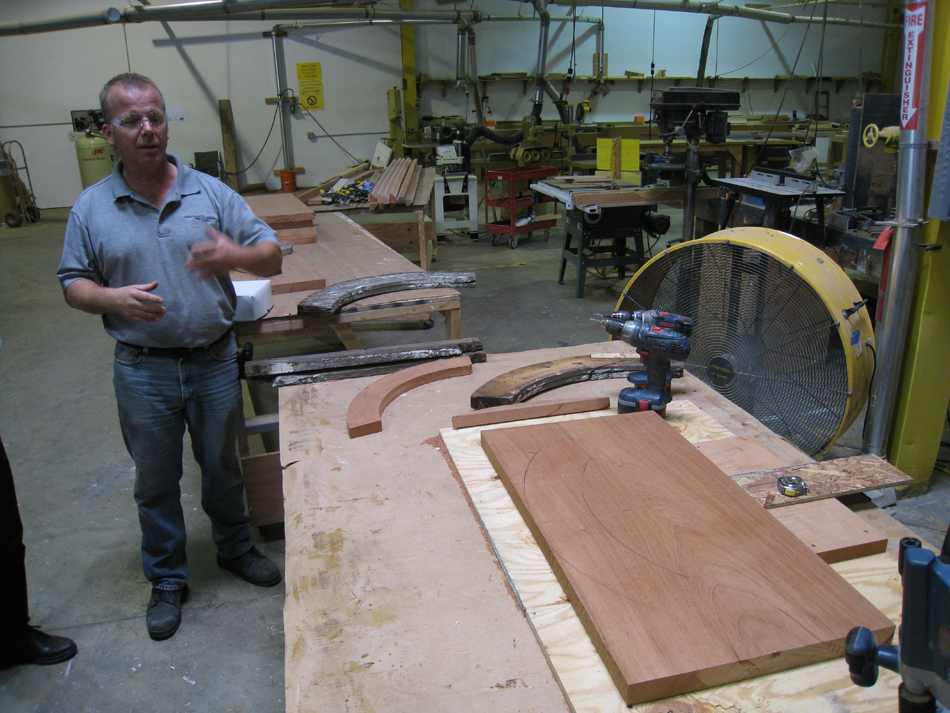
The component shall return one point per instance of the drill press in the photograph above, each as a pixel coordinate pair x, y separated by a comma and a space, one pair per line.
659, 337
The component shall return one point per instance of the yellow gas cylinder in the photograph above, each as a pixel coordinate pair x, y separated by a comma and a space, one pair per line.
96, 158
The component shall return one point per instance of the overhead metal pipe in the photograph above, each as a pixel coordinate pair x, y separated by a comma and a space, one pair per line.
284, 104
460, 55
545, 18
911, 185
473, 76
110, 16
723, 10
704, 51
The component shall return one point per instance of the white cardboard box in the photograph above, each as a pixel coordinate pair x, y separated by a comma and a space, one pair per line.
253, 299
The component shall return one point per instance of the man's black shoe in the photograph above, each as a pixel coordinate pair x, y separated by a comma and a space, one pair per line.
36, 647
163, 615
253, 566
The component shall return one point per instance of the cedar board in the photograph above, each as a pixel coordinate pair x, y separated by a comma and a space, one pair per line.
832, 530
281, 210
670, 566
296, 275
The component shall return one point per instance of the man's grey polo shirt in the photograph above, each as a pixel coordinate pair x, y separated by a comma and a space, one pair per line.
115, 238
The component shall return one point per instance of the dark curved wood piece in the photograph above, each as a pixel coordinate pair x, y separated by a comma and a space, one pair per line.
365, 414
357, 358
331, 299
522, 384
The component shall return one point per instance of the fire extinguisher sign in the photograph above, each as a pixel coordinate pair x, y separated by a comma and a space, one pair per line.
915, 34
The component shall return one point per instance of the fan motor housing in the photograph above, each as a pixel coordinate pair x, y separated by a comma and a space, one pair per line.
771, 333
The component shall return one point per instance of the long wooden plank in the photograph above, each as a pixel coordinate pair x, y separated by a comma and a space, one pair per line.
527, 382
398, 196
365, 414
828, 479
408, 195
524, 412
671, 568
424, 187
228, 144
331, 299
266, 368
831, 530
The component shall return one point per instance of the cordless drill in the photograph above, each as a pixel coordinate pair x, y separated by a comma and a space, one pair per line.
659, 337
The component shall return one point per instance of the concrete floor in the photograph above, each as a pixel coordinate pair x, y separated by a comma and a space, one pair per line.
74, 478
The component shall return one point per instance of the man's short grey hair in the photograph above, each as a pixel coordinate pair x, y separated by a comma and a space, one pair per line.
129, 80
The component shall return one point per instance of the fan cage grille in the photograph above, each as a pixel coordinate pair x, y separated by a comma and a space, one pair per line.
763, 337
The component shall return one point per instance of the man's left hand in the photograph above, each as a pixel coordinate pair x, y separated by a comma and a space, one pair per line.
217, 255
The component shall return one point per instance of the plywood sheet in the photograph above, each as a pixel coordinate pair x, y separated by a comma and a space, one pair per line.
818, 688
829, 479
831, 530
670, 566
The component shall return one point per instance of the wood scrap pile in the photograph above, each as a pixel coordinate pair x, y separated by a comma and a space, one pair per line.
404, 182
334, 185
287, 215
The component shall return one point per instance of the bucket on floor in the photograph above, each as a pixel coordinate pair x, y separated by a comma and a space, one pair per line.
288, 181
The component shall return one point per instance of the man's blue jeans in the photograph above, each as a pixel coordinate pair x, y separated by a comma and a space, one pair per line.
157, 398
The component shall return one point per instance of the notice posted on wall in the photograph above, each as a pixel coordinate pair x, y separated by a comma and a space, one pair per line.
310, 85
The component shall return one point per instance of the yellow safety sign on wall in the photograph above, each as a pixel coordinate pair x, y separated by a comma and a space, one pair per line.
310, 85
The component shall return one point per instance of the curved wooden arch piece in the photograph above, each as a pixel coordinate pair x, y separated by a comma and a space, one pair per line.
527, 382
365, 414
331, 299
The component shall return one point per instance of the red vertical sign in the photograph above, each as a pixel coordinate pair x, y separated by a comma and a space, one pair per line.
915, 35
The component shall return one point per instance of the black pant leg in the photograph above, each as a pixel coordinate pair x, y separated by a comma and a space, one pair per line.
14, 606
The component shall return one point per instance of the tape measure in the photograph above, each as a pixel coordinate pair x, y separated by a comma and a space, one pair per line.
792, 486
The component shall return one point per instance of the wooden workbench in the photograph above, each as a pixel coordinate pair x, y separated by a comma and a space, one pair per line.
345, 251
395, 598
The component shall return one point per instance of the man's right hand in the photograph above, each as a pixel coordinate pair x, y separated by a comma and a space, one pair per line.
136, 302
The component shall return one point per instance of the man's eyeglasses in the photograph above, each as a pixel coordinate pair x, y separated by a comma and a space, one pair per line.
134, 121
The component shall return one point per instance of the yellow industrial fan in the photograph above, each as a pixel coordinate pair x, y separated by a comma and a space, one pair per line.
779, 330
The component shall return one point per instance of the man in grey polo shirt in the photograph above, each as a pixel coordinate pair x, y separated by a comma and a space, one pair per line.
149, 248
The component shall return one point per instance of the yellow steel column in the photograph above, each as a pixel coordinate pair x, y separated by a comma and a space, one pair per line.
410, 100
893, 47
925, 378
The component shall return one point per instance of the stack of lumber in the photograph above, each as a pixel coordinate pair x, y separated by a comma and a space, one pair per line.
295, 275
287, 215
404, 182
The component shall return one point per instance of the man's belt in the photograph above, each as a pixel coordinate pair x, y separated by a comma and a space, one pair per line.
179, 352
